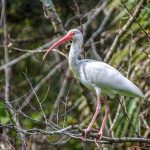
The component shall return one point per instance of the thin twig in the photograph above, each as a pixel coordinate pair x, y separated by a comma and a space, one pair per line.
62, 90
123, 30
24, 56
127, 116
115, 118
34, 92
38, 86
136, 18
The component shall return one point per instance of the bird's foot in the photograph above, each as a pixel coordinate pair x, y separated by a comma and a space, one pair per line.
98, 138
84, 134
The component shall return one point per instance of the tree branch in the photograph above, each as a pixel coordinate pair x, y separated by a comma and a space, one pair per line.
7, 69
50, 13
26, 55
72, 131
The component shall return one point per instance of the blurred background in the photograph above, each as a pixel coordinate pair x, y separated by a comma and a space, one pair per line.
38, 96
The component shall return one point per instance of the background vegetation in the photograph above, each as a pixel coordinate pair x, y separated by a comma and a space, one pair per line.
40, 98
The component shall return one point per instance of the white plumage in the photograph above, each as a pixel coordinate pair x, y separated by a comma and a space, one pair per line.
108, 79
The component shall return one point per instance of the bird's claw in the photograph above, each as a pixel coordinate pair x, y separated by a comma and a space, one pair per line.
99, 136
84, 134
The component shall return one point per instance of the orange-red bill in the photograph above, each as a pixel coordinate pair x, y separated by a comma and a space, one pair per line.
67, 37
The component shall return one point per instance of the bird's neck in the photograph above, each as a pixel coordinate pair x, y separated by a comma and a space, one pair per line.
74, 55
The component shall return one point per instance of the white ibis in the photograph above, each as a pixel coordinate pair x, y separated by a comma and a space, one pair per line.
96, 76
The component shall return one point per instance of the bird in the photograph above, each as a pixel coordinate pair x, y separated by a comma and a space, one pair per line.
97, 76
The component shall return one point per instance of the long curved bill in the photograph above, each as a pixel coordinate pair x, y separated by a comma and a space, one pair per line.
67, 37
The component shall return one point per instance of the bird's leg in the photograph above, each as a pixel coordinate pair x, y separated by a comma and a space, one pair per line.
100, 133
98, 107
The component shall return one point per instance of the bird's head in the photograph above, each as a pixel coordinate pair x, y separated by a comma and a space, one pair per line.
73, 35
76, 35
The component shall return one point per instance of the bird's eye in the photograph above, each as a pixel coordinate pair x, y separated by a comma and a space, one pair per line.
73, 33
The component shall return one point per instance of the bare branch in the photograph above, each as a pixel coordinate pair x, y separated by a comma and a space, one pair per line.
101, 27
93, 15
69, 132
51, 13
24, 56
13, 118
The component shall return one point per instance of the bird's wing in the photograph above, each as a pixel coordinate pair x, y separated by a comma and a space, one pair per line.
108, 78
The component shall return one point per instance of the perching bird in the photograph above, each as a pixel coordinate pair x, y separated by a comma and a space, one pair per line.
96, 76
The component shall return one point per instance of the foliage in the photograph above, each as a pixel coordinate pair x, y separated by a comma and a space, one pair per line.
45, 95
